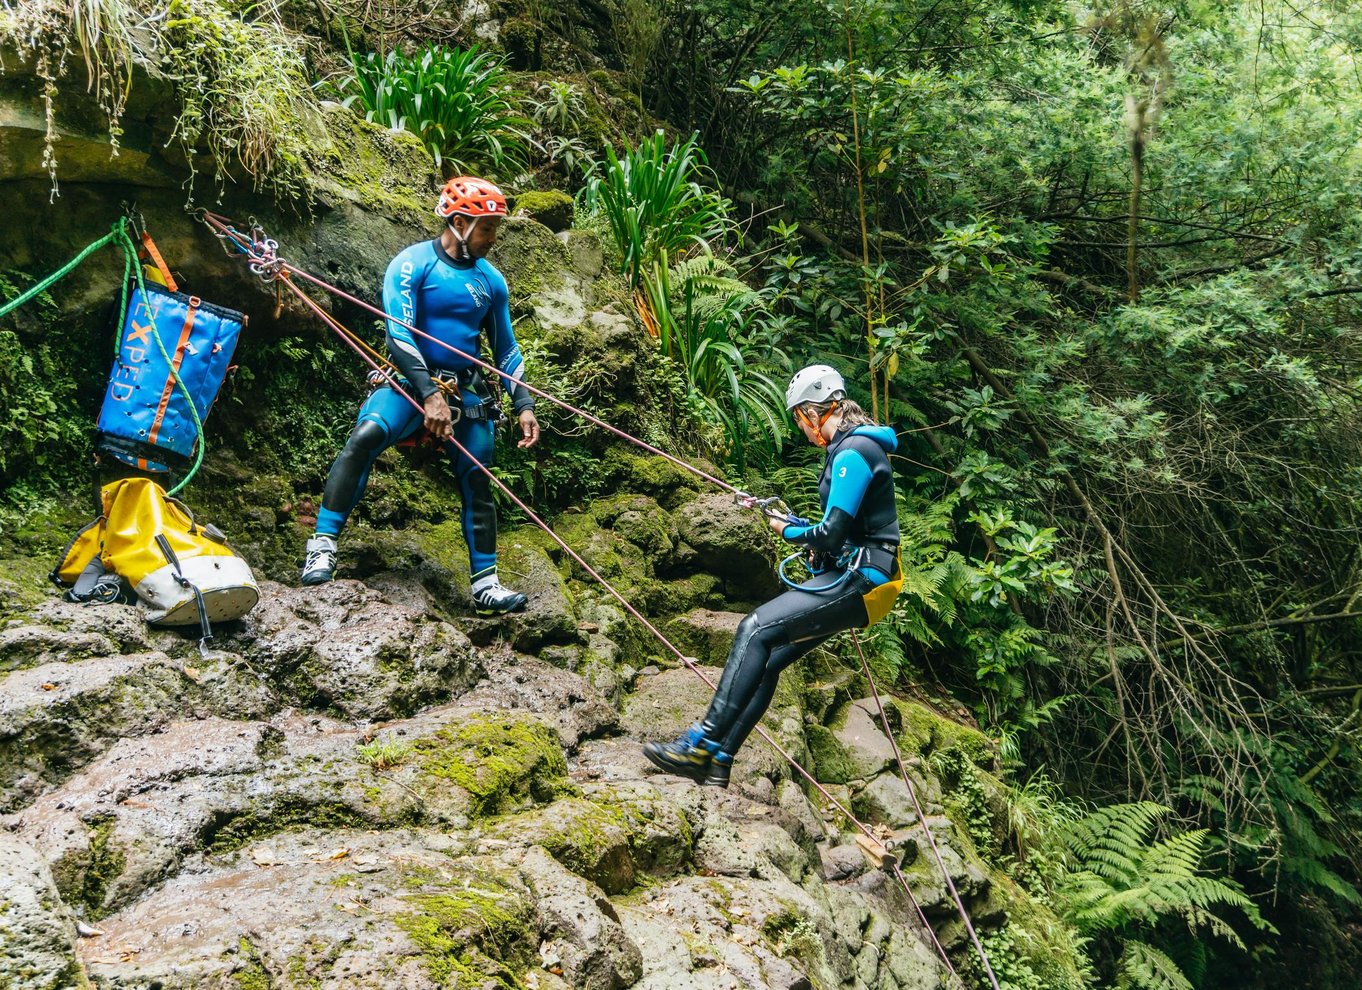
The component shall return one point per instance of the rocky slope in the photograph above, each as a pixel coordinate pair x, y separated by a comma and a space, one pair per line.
350, 793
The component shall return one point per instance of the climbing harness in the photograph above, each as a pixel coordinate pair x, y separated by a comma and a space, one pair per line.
879, 600
275, 268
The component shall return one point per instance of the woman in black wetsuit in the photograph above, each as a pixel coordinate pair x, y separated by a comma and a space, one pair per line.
857, 576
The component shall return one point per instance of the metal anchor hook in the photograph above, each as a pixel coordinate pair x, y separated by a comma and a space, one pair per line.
134, 216
264, 254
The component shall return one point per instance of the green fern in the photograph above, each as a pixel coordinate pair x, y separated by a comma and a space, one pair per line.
1127, 886
713, 281
1146, 967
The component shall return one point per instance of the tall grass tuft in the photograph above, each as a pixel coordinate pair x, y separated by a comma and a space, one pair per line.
655, 205
713, 326
457, 101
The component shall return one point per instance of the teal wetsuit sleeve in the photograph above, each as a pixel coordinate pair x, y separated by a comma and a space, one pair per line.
850, 480
400, 285
505, 351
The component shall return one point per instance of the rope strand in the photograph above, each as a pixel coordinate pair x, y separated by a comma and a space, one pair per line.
922, 817
360, 347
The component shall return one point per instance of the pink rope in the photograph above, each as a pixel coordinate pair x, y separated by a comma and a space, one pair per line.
922, 817
661, 638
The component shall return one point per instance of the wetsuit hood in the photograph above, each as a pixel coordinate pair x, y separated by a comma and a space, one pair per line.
882, 435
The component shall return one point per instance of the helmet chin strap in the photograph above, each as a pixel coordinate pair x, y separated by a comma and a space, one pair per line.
462, 239
817, 428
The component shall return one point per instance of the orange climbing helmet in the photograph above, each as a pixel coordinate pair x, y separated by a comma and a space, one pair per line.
470, 197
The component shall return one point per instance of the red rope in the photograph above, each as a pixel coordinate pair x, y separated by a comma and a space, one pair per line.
687, 661
922, 817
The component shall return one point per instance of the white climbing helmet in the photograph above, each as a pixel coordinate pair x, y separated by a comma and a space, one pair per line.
816, 383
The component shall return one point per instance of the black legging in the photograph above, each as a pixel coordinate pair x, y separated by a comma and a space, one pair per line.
770, 639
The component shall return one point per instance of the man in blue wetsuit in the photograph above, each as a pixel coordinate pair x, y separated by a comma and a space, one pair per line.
447, 289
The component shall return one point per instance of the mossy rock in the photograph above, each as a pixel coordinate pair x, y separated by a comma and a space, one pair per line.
657, 477
590, 839
475, 928
704, 633
925, 731
24, 585
552, 208
831, 765
83, 876
531, 258
503, 762
378, 169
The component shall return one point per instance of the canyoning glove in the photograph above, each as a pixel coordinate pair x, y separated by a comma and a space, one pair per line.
319, 566
491, 597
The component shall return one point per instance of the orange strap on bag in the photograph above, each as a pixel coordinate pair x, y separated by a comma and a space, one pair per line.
149, 251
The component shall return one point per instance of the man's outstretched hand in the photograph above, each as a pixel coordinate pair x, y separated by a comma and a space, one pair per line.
529, 426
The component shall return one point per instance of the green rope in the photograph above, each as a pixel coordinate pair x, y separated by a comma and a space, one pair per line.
130, 252
118, 229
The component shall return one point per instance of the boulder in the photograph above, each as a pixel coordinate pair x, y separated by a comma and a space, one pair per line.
924, 872
885, 799
348, 648
364, 910
732, 543
57, 717
552, 208
580, 926
705, 634
567, 701
37, 932
860, 734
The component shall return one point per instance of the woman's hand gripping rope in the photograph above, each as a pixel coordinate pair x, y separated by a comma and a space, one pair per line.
777, 513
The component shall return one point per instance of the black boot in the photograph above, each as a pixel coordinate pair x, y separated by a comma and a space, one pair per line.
718, 774
689, 756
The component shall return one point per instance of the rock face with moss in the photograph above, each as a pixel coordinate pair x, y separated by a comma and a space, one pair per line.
263, 823
364, 785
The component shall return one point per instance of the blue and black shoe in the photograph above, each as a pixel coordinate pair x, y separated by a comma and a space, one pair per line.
691, 755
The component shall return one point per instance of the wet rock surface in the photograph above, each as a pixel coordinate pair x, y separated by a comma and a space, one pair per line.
37, 932
357, 794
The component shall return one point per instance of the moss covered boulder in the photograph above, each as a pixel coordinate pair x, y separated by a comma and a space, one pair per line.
503, 762
554, 209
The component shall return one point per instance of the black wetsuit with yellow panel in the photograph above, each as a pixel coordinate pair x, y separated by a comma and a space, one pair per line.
859, 538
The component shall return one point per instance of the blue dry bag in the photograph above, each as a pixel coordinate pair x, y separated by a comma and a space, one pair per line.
145, 420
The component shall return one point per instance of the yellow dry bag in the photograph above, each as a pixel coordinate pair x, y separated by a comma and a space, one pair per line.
181, 572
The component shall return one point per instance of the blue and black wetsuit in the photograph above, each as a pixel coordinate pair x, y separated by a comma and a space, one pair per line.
453, 301
857, 491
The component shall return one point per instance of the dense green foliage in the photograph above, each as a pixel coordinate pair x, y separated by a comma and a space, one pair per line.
1100, 266
458, 102
666, 223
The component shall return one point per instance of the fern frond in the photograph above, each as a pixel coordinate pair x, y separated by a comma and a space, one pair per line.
1144, 967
